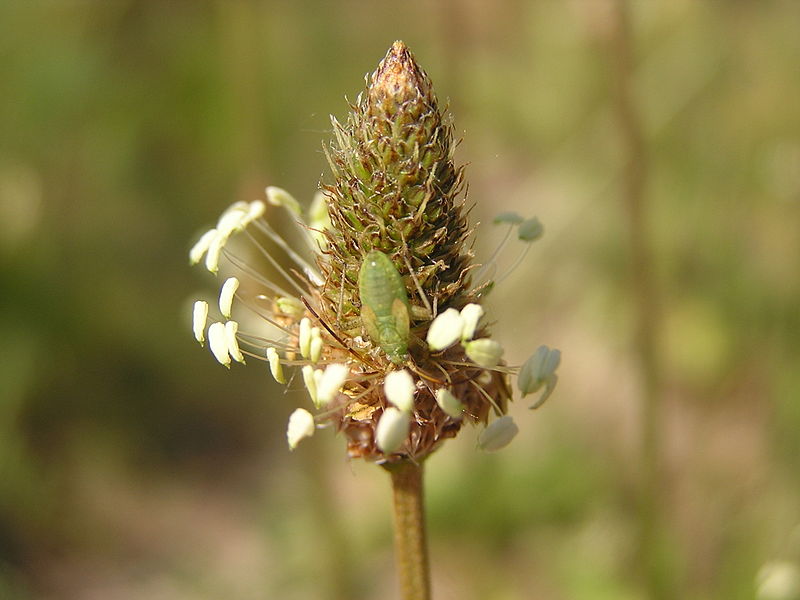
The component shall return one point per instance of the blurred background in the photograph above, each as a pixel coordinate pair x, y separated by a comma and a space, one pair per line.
663, 157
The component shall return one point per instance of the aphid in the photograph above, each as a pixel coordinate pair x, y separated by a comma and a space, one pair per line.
384, 305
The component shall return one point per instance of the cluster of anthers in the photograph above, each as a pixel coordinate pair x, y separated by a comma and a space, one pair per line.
377, 313
341, 379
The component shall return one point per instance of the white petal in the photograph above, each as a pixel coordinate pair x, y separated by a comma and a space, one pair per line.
301, 426
484, 352
304, 337
226, 295
275, 366
498, 435
332, 381
392, 429
315, 347
201, 247
445, 330
231, 329
310, 381
400, 387
280, 197
199, 318
218, 343
451, 405
471, 314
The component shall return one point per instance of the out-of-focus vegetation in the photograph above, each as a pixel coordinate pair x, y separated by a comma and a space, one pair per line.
134, 467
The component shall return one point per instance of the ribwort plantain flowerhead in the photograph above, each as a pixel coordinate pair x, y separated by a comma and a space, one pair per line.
380, 316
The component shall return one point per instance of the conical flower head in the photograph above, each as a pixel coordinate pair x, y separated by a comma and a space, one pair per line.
396, 190
381, 323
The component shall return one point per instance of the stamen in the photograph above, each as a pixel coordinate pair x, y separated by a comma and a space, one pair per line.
226, 296
231, 329
201, 247
218, 343
301, 426
199, 318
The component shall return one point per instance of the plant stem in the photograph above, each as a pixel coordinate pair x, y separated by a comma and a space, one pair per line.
411, 548
645, 296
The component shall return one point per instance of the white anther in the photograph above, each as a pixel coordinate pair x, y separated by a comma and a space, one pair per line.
399, 388
498, 434
392, 429
484, 352
218, 343
445, 330
275, 366
333, 378
201, 247
199, 318
471, 315
231, 329
226, 295
301, 426
451, 405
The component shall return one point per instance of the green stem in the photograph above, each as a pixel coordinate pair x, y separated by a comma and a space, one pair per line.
411, 548
648, 317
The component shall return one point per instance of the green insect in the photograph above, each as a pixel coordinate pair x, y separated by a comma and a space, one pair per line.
384, 305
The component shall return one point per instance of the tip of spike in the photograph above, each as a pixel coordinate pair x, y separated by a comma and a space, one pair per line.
398, 75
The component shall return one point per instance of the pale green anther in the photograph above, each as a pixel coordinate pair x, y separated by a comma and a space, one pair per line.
319, 220
233, 219
231, 330
255, 210
498, 434
509, 218
484, 352
399, 387
201, 246
331, 381
280, 197
445, 330
451, 405
275, 366
318, 211
291, 307
218, 344
304, 337
199, 318
301, 426
310, 382
315, 347
226, 294
392, 429
539, 371
530, 230
214, 251
471, 314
